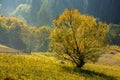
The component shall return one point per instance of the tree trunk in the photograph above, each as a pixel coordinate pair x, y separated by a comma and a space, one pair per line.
82, 62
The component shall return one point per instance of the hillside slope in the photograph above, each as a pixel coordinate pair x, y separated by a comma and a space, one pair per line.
46, 67
5, 49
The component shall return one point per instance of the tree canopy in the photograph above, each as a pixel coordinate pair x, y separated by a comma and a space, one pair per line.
78, 36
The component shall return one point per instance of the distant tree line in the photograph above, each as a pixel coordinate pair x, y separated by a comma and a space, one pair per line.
17, 34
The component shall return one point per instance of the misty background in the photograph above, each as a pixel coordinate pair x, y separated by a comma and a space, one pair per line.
42, 12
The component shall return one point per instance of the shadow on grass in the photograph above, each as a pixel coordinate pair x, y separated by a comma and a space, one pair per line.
89, 74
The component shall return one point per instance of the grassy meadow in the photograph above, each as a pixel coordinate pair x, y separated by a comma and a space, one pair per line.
46, 66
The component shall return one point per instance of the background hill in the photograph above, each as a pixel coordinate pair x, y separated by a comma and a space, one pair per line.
42, 12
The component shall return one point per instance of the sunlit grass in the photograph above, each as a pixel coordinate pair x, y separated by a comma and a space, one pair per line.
47, 67
3, 46
108, 70
117, 56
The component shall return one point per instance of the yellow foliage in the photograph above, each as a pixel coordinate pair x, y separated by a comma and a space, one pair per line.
79, 35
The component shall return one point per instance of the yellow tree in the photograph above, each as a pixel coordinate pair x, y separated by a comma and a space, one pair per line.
78, 36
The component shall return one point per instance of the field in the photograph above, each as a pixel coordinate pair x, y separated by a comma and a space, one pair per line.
46, 66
